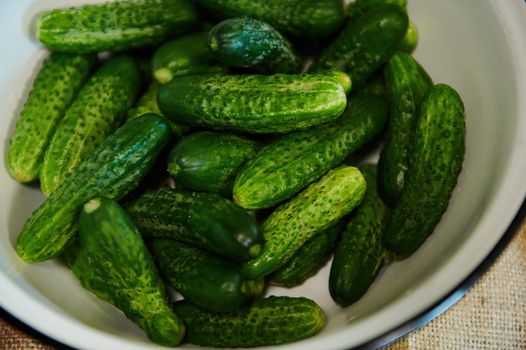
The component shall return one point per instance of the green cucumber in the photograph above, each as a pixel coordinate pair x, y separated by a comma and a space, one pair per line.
209, 162
55, 87
113, 170
407, 84
254, 103
115, 26
339, 77
318, 207
270, 321
97, 111
206, 280
376, 85
360, 251
184, 56
287, 165
244, 42
359, 7
410, 39
434, 166
205, 220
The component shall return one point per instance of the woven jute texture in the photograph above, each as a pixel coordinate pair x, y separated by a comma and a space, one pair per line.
492, 315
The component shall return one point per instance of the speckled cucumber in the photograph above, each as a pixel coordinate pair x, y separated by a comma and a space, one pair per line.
115, 26
287, 165
270, 321
434, 166
113, 170
55, 87
253, 103
360, 251
98, 110
204, 220
407, 84
318, 207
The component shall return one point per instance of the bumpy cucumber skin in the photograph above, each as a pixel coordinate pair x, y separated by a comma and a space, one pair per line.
407, 84
270, 321
55, 87
365, 43
114, 246
245, 42
360, 251
114, 169
253, 103
209, 162
318, 207
434, 166
205, 220
184, 56
115, 26
410, 40
98, 110
287, 165
206, 280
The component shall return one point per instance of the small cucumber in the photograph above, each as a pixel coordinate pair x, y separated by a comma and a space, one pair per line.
97, 111
254, 103
270, 321
209, 162
318, 207
360, 251
410, 39
55, 87
244, 42
206, 280
205, 220
113, 170
115, 26
434, 166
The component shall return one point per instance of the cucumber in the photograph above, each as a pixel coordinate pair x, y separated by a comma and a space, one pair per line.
253, 103
209, 162
117, 255
360, 251
115, 26
359, 7
376, 85
244, 42
407, 84
434, 166
318, 207
410, 39
113, 170
287, 165
340, 78
270, 321
310, 18
365, 43
55, 87
184, 56
207, 281
205, 220
97, 111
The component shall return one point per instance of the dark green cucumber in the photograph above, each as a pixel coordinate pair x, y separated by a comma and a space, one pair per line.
254, 103
410, 39
359, 7
184, 56
407, 84
114, 169
115, 26
365, 43
244, 42
205, 220
55, 87
97, 111
376, 85
311, 18
209, 162
287, 165
360, 251
318, 207
308, 260
270, 321
434, 166
206, 280
117, 255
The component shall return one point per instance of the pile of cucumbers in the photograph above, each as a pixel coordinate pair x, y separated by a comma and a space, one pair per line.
221, 97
